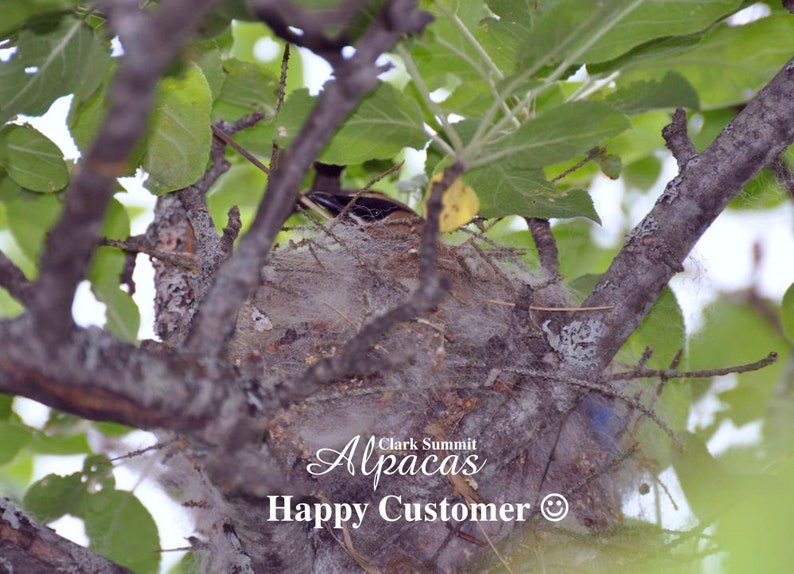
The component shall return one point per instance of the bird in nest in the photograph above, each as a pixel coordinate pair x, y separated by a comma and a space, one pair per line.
354, 206
326, 195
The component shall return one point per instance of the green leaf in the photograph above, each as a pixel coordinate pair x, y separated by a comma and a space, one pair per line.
6, 403
243, 185
179, 145
111, 517
32, 160
450, 52
108, 262
727, 66
567, 30
15, 437
579, 254
30, 217
207, 56
246, 88
54, 496
123, 316
506, 189
49, 63
385, 122
643, 173
113, 430
662, 330
559, 134
642, 140
610, 164
672, 407
16, 13
673, 91
787, 312
43, 443
653, 19
734, 334
248, 35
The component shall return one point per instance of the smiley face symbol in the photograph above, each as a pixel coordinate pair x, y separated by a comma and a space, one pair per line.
554, 507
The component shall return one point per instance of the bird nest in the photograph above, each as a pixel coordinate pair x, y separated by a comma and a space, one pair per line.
471, 384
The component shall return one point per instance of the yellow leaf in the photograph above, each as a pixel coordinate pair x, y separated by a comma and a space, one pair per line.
460, 204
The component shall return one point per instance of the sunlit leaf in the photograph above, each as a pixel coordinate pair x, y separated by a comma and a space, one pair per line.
568, 29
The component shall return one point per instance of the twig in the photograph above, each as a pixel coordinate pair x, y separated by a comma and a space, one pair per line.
187, 261
14, 281
553, 309
282, 81
231, 231
546, 246
593, 153
220, 134
643, 373
307, 28
677, 139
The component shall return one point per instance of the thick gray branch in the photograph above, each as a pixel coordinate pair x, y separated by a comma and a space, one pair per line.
100, 378
26, 546
150, 40
655, 250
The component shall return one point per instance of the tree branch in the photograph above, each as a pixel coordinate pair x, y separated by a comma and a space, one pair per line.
677, 139
150, 40
26, 546
657, 247
310, 28
546, 246
354, 77
14, 281
99, 378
